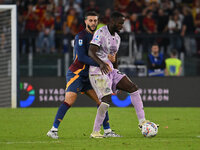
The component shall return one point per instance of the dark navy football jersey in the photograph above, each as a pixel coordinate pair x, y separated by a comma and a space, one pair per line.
82, 61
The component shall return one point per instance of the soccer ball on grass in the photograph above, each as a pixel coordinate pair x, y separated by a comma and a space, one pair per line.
149, 129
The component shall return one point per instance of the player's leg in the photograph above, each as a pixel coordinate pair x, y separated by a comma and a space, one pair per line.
107, 130
70, 98
73, 84
127, 85
102, 85
91, 93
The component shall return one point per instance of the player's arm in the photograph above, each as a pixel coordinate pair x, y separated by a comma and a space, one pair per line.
115, 64
179, 71
156, 66
105, 68
82, 53
113, 59
163, 65
150, 65
166, 72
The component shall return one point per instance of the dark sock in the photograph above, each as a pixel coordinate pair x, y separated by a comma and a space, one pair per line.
60, 114
106, 124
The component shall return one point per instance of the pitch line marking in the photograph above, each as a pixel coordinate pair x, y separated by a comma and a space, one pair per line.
47, 142
31, 142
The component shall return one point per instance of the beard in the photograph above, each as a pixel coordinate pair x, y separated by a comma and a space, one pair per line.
91, 28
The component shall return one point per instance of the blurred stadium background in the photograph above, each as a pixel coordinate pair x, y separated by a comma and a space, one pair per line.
45, 33
36, 48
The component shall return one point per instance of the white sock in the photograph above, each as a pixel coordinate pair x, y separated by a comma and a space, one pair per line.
141, 120
100, 116
107, 130
54, 129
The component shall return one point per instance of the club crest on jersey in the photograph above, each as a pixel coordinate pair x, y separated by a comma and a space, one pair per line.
96, 38
80, 42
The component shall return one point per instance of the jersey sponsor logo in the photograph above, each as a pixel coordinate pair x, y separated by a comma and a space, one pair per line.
80, 42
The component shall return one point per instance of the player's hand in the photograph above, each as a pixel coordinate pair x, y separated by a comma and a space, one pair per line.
105, 68
112, 58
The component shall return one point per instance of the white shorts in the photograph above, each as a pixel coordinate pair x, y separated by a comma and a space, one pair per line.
105, 84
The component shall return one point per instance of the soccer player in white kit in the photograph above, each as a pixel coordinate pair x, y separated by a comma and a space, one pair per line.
106, 79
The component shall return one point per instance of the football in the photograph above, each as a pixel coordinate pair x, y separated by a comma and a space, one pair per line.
149, 129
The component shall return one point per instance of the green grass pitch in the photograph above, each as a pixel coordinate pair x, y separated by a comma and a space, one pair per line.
27, 128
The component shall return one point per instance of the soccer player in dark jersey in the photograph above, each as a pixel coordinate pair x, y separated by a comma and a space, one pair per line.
78, 78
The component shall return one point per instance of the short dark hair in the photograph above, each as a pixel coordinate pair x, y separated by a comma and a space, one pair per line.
90, 13
174, 52
116, 15
155, 44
